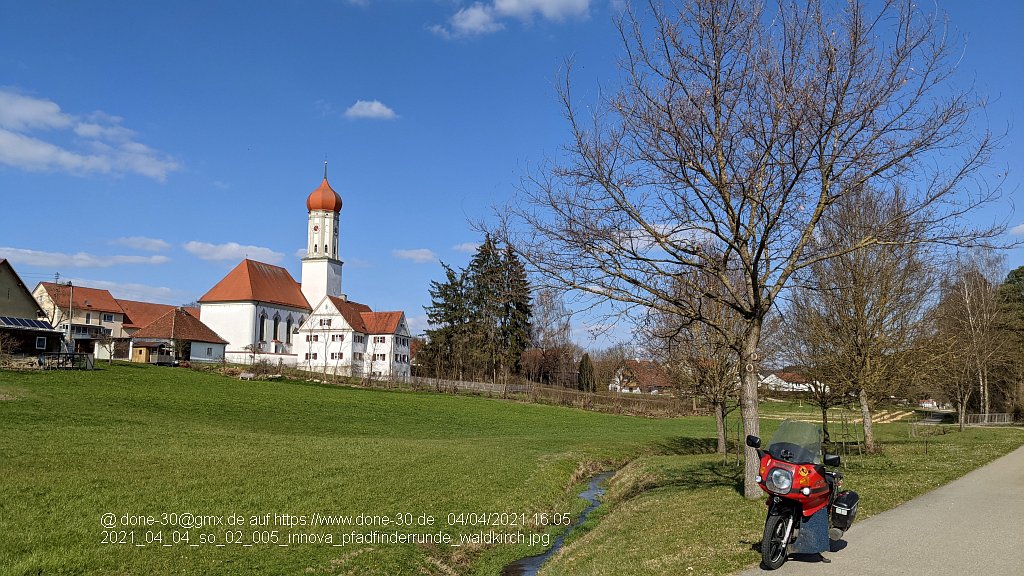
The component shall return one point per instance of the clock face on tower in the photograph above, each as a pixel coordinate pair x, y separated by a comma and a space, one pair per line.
316, 228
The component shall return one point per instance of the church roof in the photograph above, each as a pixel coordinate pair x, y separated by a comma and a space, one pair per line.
139, 314
324, 198
88, 299
382, 322
177, 324
259, 282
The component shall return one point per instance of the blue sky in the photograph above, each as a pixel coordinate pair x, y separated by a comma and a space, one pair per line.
146, 147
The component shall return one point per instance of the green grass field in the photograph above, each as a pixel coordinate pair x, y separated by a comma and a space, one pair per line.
130, 439
145, 440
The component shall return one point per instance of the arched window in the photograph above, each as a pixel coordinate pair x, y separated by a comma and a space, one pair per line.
263, 327
326, 249
288, 330
315, 248
277, 327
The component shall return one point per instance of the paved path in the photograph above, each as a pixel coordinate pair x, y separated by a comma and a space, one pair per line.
973, 525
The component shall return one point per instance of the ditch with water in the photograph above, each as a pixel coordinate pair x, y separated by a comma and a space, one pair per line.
530, 565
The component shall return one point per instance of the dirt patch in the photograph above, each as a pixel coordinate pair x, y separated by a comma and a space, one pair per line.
4, 397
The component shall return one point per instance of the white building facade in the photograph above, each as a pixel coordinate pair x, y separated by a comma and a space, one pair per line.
348, 339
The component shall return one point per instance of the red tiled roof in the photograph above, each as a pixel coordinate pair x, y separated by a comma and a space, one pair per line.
177, 324
352, 312
791, 377
84, 298
648, 374
257, 281
139, 314
381, 322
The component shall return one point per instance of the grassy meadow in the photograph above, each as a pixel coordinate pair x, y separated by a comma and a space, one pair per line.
149, 440
146, 441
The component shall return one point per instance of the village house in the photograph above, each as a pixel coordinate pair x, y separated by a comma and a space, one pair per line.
641, 377
177, 336
22, 321
92, 316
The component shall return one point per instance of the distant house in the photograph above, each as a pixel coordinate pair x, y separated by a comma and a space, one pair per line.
22, 320
786, 382
349, 339
641, 377
96, 319
141, 314
177, 336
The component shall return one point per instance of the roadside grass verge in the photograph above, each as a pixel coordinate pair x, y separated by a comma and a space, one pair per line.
147, 440
686, 515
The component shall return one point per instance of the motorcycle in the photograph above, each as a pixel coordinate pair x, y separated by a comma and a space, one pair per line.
802, 494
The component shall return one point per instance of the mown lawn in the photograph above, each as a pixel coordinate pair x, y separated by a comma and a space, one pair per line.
146, 440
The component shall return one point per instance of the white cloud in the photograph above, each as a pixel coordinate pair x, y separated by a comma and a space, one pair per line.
101, 144
132, 291
372, 109
76, 260
232, 251
142, 243
485, 18
1017, 230
466, 247
417, 255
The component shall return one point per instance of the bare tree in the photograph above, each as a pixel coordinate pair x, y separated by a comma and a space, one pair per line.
698, 357
853, 321
739, 126
970, 316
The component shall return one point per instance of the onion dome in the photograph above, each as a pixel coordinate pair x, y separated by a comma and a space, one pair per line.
324, 198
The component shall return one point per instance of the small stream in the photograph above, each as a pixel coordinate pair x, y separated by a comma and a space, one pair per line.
530, 565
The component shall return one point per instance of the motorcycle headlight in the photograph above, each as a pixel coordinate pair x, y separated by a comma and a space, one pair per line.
779, 481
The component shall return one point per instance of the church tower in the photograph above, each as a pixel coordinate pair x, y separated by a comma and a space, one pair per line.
321, 268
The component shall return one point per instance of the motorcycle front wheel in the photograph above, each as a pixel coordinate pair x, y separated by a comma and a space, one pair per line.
773, 548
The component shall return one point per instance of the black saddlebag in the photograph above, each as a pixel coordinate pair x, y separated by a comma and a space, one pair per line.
844, 510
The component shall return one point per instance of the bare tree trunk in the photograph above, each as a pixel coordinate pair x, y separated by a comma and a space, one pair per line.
720, 425
748, 410
961, 410
983, 381
824, 424
865, 410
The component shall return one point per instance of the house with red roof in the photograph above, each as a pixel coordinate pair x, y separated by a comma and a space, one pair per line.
263, 313
177, 335
346, 338
641, 377
92, 316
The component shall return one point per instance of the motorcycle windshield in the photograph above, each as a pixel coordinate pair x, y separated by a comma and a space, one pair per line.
798, 442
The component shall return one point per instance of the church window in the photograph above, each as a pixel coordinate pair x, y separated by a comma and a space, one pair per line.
288, 331
315, 248
263, 327
277, 327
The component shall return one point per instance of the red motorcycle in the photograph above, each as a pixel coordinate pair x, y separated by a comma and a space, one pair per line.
805, 507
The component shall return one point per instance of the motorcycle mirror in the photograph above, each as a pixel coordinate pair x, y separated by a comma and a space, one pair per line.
753, 441
832, 460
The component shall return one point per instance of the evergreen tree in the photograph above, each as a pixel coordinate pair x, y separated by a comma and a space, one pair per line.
585, 375
444, 351
480, 317
515, 325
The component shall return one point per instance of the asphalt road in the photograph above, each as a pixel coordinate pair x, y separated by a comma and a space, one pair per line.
973, 525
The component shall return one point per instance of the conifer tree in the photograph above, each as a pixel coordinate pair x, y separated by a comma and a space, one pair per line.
585, 375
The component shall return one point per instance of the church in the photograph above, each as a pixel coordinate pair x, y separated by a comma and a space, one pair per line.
264, 314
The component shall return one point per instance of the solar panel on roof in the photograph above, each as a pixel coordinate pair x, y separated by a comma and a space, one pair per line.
24, 323
5, 320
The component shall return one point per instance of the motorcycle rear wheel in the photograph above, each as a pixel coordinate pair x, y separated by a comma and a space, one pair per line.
773, 548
